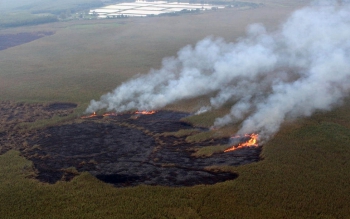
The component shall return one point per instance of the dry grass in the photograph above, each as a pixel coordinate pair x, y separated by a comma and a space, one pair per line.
85, 59
209, 150
181, 133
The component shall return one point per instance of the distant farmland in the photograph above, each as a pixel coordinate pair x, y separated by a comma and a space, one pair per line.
143, 9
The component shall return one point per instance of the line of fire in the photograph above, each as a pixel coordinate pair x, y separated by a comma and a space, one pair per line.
249, 140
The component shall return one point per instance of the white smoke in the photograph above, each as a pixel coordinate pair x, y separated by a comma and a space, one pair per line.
268, 77
203, 109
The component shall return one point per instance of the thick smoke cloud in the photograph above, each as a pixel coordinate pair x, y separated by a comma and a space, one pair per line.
268, 77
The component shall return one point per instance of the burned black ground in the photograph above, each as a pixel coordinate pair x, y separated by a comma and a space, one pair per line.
128, 150
60, 106
13, 116
125, 150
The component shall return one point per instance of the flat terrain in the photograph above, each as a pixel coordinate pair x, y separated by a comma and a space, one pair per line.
11, 40
45, 85
85, 59
125, 150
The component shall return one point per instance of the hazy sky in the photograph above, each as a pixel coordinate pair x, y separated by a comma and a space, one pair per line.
12, 4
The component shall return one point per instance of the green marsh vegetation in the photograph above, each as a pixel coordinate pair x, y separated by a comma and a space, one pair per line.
304, 174
304, 171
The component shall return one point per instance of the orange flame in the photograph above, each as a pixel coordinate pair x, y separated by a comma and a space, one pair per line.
252, 142
89, 116
109, 114
95, 114
145, 112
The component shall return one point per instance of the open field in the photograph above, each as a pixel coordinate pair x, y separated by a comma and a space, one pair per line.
83, 59
304, 174
304, 170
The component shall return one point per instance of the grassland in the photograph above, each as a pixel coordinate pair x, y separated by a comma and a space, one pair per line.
304, 174
86, 59
305, 169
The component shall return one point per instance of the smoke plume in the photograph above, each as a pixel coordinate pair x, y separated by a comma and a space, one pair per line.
267, 76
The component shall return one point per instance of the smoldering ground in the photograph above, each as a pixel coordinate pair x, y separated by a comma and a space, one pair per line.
301, 68
126, 150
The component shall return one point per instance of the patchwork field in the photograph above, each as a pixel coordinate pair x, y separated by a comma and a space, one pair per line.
56, 163
143, 9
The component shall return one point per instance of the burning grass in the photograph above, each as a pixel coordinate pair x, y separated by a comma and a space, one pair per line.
117, 148
304, 174
129, 151
251, 141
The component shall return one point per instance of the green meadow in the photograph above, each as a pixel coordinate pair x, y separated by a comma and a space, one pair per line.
304, 170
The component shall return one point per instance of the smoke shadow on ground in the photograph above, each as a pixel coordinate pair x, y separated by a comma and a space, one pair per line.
11, 40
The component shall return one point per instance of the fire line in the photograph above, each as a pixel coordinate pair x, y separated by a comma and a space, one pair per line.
94, 114
252, 142
89, 116
145, 112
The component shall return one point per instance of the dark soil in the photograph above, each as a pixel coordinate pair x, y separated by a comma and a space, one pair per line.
11, 40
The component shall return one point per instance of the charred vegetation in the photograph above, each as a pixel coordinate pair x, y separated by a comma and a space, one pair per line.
125, 150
